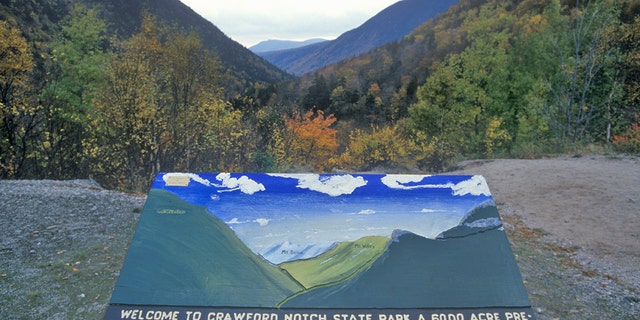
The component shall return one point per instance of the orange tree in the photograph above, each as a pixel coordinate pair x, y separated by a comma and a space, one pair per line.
629, 141
310, 140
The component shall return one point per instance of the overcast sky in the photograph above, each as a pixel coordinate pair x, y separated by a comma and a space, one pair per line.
251, 21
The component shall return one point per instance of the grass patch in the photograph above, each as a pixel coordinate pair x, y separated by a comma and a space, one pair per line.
343, 261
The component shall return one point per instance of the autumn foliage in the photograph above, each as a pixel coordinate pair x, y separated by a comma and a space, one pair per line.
310, 140
15, 64
485, 79
629, 140
381, 147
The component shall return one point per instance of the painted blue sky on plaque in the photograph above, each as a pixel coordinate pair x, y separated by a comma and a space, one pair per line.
310, 213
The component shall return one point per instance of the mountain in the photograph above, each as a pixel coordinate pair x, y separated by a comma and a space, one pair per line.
38, 19
277, 45
124, 15
415, 272
470, 265
397, 68
183, 255
391, 24
288, 251
482, 218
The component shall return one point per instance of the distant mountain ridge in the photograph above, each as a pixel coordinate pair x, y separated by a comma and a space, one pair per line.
277, 45
288, 251
391, 24
344, 260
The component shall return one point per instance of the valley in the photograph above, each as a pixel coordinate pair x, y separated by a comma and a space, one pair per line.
345, 260
415, 88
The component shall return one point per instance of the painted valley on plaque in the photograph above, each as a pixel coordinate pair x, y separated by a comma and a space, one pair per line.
232, 246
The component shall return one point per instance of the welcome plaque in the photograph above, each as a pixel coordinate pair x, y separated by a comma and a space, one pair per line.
233, 246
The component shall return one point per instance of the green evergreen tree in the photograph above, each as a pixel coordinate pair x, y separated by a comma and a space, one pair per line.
79, 61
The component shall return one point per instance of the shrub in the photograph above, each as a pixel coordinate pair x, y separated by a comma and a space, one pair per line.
629, 141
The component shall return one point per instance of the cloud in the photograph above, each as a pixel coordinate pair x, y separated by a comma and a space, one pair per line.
244, 184
408, 182
367, 212
335, 185
262, 221
234, 221
250, 21
475, 186
425, 210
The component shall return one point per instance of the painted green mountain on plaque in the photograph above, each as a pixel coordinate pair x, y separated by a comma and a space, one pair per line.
183, 255
347, 259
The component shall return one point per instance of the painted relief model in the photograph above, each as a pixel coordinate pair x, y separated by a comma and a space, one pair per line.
319, 247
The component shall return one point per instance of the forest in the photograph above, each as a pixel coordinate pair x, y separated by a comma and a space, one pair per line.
486, 79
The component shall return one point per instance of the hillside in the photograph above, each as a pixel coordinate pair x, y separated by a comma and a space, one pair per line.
125, 15
179, 256
343, 261
38, 19
416, 272
486, 78
391, 24
410, 57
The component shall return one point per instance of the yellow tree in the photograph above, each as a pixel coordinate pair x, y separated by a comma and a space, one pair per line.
310, 139
381, 147
191, 78
162, 110
16, 114
224, 146
125, 124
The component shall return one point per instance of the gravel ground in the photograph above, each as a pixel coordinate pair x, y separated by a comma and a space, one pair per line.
62, 243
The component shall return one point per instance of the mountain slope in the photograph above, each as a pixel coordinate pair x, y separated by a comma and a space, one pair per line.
277, 45
125, 15
38, 20
470, 265
346, 259
391, 24
183, 255
478, 270
482, 218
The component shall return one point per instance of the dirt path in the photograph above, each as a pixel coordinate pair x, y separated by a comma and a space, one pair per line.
589, 203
